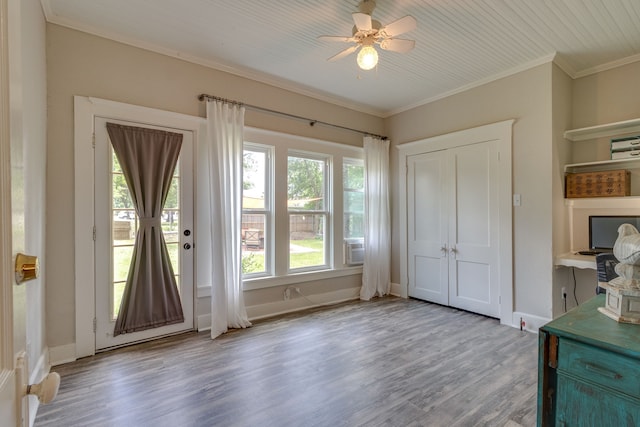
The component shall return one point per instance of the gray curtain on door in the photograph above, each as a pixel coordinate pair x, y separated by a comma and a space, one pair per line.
148, 158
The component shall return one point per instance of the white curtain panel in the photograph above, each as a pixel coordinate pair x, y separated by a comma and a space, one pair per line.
376, 273
224, 145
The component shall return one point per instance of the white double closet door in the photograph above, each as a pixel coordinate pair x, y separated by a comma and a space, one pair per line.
453, 227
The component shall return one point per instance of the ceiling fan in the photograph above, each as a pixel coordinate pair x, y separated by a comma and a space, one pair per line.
368, 32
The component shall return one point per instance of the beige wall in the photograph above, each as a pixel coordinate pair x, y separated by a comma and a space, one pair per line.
606, 97
543, 100
525, 97
82, 64
562, 87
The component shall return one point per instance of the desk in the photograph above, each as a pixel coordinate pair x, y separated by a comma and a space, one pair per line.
571, 259
589, 370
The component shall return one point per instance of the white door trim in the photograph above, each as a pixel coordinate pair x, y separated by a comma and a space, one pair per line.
85, 110
8, 403
502, 132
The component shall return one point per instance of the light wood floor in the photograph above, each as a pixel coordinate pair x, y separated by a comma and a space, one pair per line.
388, 362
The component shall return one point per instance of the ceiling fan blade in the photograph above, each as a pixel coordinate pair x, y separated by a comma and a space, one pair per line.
337, 39
362, 21
397, 45
347, 51
401, 26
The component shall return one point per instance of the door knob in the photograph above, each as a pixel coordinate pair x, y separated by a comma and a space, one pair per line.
453, 250
27, 268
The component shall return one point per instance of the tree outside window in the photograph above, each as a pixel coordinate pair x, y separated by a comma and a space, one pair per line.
308, 210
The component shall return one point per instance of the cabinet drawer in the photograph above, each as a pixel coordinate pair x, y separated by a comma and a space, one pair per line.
625, 154
599, 366
625, 143
581, 404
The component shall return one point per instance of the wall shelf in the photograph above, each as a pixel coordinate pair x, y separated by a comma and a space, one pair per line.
628, 202
602, 165
572, 259
599, 131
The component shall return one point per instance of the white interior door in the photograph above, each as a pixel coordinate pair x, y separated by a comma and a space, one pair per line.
474, 229
427, 227
115, 227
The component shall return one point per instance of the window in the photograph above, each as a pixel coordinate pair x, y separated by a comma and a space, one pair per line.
124, 226
298, 209
256, 210
308, 208
353, 198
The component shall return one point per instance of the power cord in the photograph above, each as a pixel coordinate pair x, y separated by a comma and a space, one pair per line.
575, 284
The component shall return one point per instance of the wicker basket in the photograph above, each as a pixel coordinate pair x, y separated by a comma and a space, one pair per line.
614, 183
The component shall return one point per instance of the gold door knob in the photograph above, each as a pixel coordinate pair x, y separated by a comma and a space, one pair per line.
27, 267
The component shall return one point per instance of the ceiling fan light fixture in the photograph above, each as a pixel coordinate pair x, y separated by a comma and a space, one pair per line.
367, 57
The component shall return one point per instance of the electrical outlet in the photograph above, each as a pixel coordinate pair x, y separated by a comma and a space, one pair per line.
564, 293
287, 294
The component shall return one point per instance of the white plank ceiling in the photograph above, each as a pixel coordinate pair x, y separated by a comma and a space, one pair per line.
459, 43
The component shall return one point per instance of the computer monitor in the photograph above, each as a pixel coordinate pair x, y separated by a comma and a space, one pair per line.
603, 230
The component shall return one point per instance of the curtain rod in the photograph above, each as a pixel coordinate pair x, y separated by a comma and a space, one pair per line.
312, 122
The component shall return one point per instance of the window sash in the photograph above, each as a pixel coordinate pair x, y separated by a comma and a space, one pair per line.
257, 242
295, 264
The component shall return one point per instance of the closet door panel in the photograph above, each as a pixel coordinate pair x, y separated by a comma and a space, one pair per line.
473, 225
427, 227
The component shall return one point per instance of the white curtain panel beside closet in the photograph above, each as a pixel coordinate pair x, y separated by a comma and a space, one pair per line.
376, 273
223, 149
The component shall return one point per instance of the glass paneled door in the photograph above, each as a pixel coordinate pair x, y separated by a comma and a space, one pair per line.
116, 224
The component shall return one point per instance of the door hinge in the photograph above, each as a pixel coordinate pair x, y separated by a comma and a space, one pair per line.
553, 351
94, 233
93, 140
95, 324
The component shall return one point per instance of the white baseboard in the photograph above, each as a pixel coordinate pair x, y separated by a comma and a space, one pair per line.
203, 322
40, 369
62, 354
396, 290
531, 322
298, 303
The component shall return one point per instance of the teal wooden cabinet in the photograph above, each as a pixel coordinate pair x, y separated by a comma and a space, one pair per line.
589, 370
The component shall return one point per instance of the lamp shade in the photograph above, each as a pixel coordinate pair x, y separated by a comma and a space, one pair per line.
367, 57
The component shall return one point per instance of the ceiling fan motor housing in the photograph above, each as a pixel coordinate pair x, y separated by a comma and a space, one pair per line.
375, 27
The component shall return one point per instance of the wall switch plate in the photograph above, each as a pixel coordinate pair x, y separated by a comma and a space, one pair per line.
516, 200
